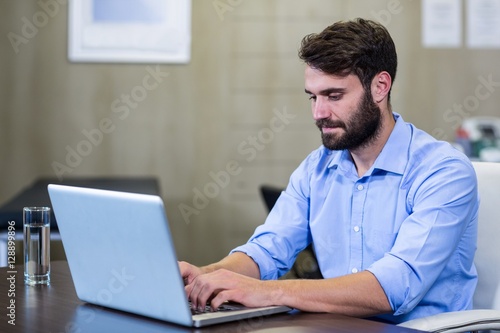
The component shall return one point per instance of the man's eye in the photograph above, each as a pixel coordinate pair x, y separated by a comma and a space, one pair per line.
312, 98
334, 97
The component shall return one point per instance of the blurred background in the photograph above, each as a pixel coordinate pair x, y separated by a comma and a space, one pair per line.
237, 108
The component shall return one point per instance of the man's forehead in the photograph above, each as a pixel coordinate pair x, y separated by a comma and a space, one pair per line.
318, 80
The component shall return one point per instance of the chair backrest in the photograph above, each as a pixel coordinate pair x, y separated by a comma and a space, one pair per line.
487, 258
270, 195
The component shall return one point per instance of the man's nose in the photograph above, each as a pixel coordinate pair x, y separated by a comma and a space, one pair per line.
320, 109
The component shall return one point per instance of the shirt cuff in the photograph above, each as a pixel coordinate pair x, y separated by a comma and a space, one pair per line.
400, 295
267, 267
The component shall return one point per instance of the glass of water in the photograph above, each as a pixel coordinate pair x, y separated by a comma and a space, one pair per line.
36, 245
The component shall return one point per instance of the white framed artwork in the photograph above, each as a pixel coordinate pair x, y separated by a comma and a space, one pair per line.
483, 24
129, 31
442, 23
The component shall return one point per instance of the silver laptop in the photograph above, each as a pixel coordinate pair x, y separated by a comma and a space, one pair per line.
121, 255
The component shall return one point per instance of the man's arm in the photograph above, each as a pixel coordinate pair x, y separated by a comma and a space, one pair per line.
236, 278
237, 262
358, 295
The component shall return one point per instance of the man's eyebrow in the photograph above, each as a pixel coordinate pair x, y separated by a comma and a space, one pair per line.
326, 92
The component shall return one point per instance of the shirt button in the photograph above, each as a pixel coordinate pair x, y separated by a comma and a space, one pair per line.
356, 228
354, 270
360, 187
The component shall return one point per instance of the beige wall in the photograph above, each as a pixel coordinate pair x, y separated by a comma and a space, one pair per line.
244, 81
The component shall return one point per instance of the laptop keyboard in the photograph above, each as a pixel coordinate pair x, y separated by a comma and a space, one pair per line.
208, 308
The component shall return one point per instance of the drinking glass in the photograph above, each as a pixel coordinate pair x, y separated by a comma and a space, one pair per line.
36, 221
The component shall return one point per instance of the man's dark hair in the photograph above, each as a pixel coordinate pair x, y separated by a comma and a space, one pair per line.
360, 47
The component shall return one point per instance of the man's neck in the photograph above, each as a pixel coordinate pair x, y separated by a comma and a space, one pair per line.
365, 156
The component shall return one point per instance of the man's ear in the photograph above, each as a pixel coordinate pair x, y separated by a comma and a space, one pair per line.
381, 85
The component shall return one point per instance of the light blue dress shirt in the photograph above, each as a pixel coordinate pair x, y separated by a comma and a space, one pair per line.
411, 220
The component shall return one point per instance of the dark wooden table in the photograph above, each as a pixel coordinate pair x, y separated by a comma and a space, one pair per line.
57, 309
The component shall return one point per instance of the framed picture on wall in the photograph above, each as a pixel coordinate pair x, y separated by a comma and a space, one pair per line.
129, 31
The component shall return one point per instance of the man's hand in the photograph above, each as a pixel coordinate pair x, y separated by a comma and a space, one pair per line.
223, 285
189, 272
235, 276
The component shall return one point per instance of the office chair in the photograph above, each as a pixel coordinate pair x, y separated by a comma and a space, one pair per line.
306, 265
486, 315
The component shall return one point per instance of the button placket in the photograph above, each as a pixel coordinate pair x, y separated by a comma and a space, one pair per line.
358, 202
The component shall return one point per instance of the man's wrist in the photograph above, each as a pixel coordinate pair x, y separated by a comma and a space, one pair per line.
209, 268
277, 292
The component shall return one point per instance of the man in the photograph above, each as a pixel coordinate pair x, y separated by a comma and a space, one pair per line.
391, 212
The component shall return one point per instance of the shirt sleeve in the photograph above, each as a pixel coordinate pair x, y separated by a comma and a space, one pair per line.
275, 245
443, 204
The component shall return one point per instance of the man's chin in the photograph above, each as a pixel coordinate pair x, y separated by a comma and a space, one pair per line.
331, 144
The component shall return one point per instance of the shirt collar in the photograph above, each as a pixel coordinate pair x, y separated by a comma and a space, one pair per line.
394, 155
392, 158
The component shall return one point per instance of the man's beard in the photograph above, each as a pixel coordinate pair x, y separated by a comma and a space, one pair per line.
362, 127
